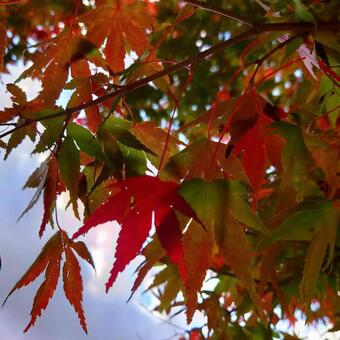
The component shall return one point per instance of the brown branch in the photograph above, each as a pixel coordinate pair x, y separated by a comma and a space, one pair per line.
259, 28
266, 27
220, 11
298, 27
142, 82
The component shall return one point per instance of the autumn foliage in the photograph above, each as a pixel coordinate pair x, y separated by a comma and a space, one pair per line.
210, 137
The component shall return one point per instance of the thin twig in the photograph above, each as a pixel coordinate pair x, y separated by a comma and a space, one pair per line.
220, 11
323, 114
177, 100
260, 61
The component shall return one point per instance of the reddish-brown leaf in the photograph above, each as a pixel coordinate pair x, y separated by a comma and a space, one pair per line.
150, 65
52, 65
18, 95
47, 288
80, 69
53, 81
195, 162
154, 138
73, 285
50, 260
49, 193
39, 265
81, 249
235, 249
114, 49
198, 249
248, 129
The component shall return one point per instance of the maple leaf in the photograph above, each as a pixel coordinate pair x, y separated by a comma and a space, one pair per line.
248, 129
69, 166
155, 139
295, 173
81, 249
52, 65
50, 192
302, 222
20, 104
50, 260
85, 86
247, 119
73, 286
322, 244
47, 288
131, 21
198, 245
133, 207
195, 162
38, 266
217, 204
147, 67
153, 252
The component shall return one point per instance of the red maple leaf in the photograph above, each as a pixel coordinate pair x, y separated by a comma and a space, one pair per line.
249, 127
138, 200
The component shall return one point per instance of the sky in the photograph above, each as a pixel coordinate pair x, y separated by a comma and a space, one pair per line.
108, 315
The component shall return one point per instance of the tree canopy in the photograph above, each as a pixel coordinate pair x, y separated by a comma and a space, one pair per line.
207, 129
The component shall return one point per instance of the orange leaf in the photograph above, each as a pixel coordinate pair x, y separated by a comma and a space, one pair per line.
236, 251
49, 193
47, 288
38, 266
73, 285
198, 248
120, 24
81, 249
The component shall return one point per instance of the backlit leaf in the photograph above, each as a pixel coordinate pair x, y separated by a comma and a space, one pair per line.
69, 166
50, 192
131, 20
324, 240
135, 218
73, 285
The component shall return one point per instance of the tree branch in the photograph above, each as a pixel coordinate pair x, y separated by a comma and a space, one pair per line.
298, 27
201, 56
266, 27
142, 82
220, 11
